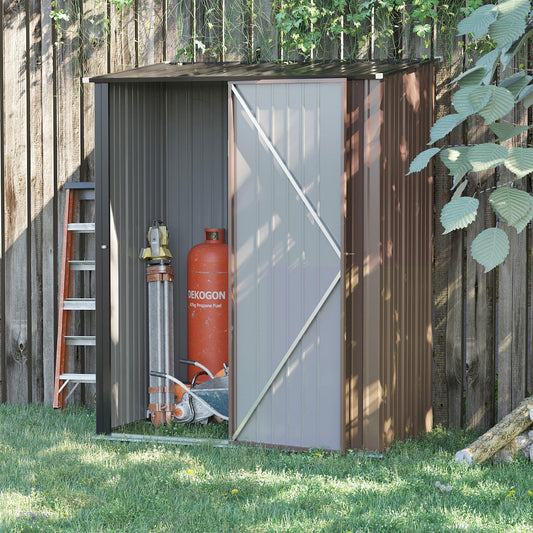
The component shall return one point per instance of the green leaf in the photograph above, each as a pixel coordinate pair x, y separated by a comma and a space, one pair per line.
486, 155
508, 54
457, 178
506, 131
526, 96
505, 57
472, 77
488, 61
501, 102
479, 21
458, 213
510, 23
470, 100
460, 189
520, 161
490, 248
455, 159
443, 126
510, 204
518, 8
523, 222
421, 161
516, 82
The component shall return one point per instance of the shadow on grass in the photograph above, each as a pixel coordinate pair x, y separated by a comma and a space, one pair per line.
51, 466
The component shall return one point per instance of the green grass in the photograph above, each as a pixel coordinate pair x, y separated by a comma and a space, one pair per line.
202, 431
55, 477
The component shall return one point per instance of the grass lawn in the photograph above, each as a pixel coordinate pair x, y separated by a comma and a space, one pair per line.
55, 477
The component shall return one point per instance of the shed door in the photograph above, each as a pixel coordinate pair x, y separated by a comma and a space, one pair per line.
286, 169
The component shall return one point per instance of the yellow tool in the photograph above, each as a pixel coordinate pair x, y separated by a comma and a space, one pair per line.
158, 240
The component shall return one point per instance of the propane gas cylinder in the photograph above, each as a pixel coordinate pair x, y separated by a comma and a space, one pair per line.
207, 303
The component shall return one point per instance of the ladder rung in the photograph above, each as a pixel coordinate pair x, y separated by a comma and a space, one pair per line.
79, 304
82, 265
81, 227
86, 194
78, 378
79, 185
80, 340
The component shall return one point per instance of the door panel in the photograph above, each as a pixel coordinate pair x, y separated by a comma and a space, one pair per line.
286, 186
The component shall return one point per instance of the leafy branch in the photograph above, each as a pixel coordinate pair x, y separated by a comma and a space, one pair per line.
506, 25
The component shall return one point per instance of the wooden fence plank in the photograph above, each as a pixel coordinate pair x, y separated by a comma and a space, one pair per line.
94, 63
3, 376
479, 323
122, 39
178, 34
265, 36
68, 139
512, 290
480, 305
529, 354
49, 228
16, 206
150, 23
237, 34
35, 193
449, 260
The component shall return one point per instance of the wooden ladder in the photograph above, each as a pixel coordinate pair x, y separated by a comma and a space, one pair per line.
75, 192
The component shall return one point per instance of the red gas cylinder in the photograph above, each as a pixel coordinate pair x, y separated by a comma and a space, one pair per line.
207, 303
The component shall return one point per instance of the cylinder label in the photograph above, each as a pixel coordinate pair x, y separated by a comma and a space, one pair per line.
207, 295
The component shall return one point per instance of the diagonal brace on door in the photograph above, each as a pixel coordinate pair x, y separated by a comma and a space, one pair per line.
323, 229
287, 355
292, 180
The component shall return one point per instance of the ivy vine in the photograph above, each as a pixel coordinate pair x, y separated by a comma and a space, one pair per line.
294, 29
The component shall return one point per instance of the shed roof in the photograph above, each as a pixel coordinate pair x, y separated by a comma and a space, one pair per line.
224, 72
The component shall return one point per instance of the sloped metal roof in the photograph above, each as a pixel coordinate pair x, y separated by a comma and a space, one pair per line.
224, 72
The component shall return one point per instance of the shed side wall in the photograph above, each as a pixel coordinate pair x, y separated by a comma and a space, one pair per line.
406, 257
362, 265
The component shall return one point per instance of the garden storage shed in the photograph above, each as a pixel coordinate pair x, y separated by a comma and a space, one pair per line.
330, 244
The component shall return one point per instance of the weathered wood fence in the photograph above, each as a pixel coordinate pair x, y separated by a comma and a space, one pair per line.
483, 323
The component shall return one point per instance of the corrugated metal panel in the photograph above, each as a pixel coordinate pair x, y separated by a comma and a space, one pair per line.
137, 194
159, 135
197, 181
220, 72
388, 260
406, 237
354, 260
283, 264
362, 265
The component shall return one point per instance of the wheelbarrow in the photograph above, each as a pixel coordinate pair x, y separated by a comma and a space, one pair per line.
197, 403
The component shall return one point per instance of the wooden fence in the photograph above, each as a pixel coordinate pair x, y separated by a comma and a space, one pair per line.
483, 323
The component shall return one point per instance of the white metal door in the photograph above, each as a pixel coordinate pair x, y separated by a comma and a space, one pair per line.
286, 168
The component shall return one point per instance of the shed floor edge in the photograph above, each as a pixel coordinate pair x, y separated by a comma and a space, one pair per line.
179, 441
215, 443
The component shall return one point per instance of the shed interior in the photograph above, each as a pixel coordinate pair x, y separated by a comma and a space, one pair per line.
168, 157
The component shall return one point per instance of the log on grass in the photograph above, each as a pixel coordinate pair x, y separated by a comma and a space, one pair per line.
498, 436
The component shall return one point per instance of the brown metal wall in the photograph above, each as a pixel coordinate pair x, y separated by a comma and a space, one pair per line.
406, 256
388, 258
353, 262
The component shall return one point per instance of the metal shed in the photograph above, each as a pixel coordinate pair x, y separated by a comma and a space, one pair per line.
330, 244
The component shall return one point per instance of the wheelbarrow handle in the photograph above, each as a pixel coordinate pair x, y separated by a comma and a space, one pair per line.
157, 374
199, 365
